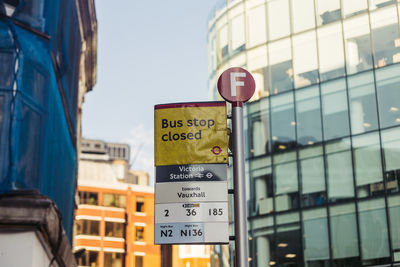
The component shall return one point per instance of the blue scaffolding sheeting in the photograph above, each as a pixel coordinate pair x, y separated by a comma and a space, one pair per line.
40, 58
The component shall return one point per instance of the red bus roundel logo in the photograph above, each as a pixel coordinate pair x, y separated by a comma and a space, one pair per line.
236, 85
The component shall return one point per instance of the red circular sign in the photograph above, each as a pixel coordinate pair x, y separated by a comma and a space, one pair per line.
236, 85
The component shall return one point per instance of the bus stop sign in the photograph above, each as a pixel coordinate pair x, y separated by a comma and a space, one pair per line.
236, 85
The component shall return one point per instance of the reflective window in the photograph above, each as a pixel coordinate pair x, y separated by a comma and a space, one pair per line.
264, 245
278, 19
113, 259
263, 191
288, 241
237, 34
385, 36
368, 165
388, 88
223, 49
303, 16
327, 11
286, 186
257, 32
339, 170
88, 258
373, 231
312, 181
394, 215
283, 123
334, 109
259, 129
363, 112
391, 149
114, 229
354, 7
87, 227
344, 238
305, 59
281, 69
114, 200
308, 115
358, 45
331, 53
88, 198
316, 240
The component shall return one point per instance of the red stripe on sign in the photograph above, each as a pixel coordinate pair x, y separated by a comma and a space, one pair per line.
191, 105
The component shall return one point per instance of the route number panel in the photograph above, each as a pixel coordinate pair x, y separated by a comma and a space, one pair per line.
191, 233
191, 212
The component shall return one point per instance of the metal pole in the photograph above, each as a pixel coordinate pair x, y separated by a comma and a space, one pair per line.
239, 181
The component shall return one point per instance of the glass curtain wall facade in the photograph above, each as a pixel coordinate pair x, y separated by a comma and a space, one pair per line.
323, 131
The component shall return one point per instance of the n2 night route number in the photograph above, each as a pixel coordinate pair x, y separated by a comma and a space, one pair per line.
185, 232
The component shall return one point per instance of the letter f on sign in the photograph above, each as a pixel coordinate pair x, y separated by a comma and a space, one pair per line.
235, 83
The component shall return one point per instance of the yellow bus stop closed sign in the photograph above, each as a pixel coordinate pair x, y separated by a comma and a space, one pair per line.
190, 133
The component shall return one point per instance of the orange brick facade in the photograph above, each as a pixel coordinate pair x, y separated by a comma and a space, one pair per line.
134, 247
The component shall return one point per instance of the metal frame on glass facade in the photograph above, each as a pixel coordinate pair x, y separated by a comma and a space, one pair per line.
327, 205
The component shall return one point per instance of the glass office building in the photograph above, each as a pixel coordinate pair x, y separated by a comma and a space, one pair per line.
323, 130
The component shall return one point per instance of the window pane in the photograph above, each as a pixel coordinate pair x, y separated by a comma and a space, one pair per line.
388, 88
237, 33
113, 200
257, 33
368, 166
313, 181
283, 123
265, 247
305, 59
316, 240
334, 109
286, 186
288, 249
263, 191
223, 49
391, 149
358, 45
260, 135
344, 234
363, 112
113, 259
340, 173
394, 215
302, 15
88, 198
354, 7
373, 229
89, 258
138, 261
281, 70
385, 36
114, 229
139, 204
86, 227
308, 115
331, 54
278, 19
139, 236
328, 11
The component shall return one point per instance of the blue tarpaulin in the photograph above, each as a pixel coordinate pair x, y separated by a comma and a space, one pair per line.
40, 51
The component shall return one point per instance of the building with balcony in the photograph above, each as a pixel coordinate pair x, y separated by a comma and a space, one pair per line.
323, 129
114, 222
48, 52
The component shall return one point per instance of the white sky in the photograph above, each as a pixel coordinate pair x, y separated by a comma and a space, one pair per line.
149, 52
